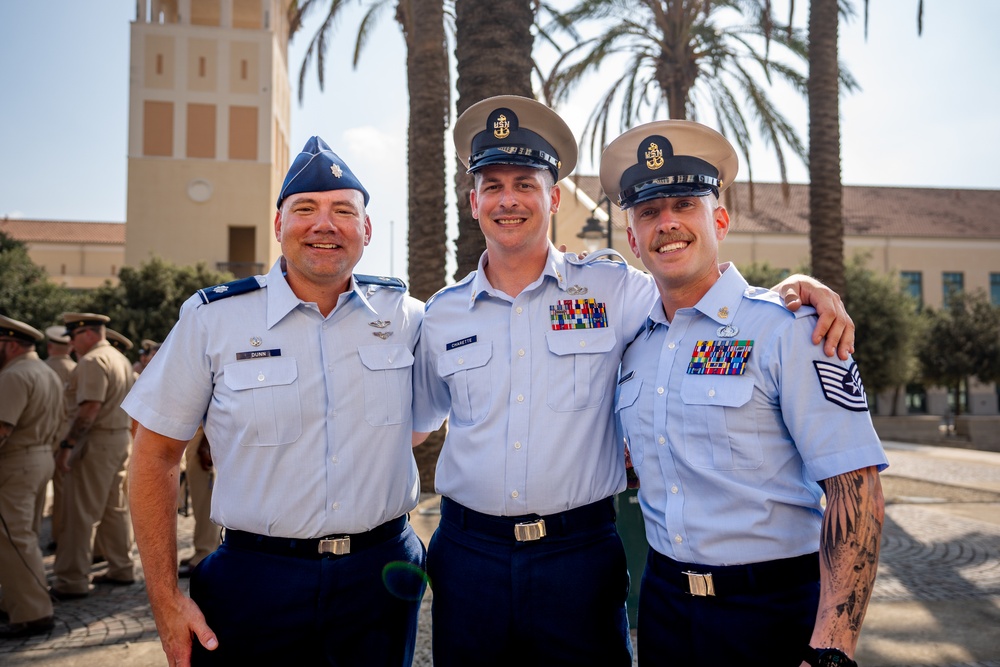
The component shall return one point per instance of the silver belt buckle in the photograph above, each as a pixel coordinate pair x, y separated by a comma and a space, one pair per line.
529, 531
339, 546
700, 584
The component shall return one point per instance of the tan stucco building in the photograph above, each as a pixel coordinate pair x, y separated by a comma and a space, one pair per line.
77, 255
934, 239
208, 131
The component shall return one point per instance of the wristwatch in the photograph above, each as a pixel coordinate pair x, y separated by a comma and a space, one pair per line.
65, 445
828, 657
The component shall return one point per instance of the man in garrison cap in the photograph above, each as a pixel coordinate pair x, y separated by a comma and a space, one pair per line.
521, 357
302, 378
59, 360
92, 456
736, 425
31, 411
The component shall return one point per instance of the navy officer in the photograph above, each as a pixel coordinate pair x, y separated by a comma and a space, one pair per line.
303, 378
736, 425
521, 357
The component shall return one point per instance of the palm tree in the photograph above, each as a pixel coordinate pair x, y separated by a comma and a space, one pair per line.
685, 57
493, 42
427, 78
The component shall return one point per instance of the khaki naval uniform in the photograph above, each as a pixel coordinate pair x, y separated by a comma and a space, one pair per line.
207, 535
63, 365
30, 400
94, 488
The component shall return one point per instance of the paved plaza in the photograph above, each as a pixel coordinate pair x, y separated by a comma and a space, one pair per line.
936, 600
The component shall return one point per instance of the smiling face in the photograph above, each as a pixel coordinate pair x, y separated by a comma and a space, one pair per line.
322, 236
513, 205
677, 239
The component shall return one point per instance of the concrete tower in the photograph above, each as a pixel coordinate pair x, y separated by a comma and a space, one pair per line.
208, 132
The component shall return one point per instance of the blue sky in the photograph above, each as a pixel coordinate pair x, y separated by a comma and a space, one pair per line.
926, 115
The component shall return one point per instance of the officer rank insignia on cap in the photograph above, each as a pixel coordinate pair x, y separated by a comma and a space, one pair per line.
842, 386
312, 169
578, 314
720, 357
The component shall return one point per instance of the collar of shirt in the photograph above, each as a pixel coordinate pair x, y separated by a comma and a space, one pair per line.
555, 267
720, 302
281, 300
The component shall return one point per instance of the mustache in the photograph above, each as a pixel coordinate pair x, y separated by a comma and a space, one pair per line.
663, 238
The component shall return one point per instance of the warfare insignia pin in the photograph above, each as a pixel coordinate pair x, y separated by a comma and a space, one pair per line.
501, 128
380, 324
219, 289
382, 334
576, 290
723, 312
336, 170
727, 331
256, 341
654, 156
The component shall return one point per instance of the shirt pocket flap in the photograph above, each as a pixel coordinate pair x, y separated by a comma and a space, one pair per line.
721, 390
628, 392
581, 341
385, 357
258, 373
465, 357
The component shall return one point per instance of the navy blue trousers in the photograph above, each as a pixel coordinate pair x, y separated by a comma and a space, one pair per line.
357, 610
759, 628
559, 600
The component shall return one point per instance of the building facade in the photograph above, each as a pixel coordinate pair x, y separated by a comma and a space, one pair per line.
209, 117
77, 255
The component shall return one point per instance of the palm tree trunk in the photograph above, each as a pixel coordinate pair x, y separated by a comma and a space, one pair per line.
430, 96
826, 224
493, 54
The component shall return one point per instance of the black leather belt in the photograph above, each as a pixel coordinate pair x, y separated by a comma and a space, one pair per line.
529, 527
702, 580
321, 547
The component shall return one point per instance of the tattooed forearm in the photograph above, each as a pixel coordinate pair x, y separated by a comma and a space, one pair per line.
849, 546
85, 418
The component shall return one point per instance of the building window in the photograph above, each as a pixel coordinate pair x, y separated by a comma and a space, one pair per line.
916, 399
159, 63
243, 69
201, 67
950, 284
995, 290
242, 133
913, 284
158, 128
201, 130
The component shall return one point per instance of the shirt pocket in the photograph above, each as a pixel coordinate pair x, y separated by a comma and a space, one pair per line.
577, 367
466, 371
720, 423
388, 383
265, 394
626, 410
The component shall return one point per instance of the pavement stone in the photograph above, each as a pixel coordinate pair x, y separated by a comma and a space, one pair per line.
936, 601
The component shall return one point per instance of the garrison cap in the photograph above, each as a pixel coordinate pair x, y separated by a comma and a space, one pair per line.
118, 341
510, 129
77, 320
57, 334
11, 328
667, 158
318, 169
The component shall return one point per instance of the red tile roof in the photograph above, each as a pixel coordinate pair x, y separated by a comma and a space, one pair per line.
868, 211
62, 231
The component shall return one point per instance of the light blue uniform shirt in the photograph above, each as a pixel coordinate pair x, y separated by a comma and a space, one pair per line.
728, 464
310, 441
527, 384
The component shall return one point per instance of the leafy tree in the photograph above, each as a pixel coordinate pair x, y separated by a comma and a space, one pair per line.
428, 82
146, 302
962, 341
26, 294
762, 274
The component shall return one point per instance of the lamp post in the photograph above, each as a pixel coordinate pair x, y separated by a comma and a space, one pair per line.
593, 230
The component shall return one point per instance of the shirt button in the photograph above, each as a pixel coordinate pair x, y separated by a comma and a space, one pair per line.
514, 494
711, 392
461, 360
335, 506
520, 398
583, 343
517, 445
260, 378
519, 309
659, 390
671, 345
678, 539
335, 460
520, 353
662, 440
673, 489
